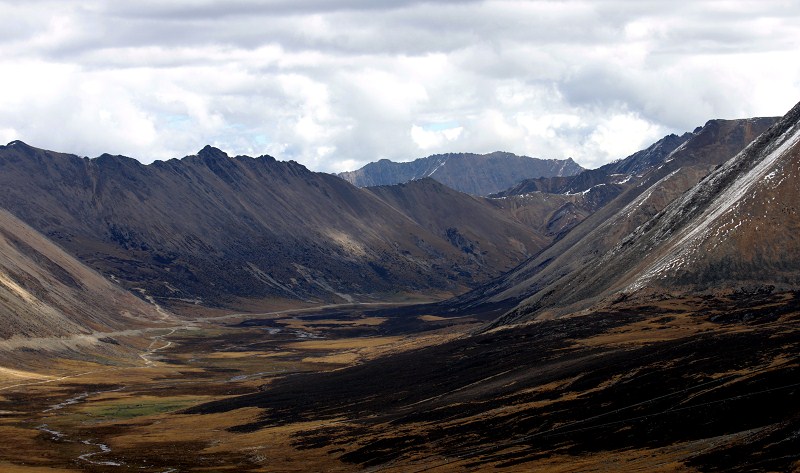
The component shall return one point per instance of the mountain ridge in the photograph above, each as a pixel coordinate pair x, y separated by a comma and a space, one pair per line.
654, 255
476, 174
215, 228
712, 145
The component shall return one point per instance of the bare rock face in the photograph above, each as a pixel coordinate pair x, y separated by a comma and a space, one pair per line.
216, 229
476, 174
44, 292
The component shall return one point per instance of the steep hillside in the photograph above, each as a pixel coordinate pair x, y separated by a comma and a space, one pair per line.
735, 229
740, 226
475, 225
476, 174
584, 193
44, 292
215, 229
708, 147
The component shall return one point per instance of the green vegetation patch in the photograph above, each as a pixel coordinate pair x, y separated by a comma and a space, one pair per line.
123, 409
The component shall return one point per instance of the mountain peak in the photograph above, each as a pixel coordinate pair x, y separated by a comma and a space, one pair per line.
212, 153
20, 146
19, 143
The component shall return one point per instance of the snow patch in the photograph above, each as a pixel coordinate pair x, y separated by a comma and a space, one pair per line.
721, 207
437, 168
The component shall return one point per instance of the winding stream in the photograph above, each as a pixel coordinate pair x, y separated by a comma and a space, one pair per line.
58, 436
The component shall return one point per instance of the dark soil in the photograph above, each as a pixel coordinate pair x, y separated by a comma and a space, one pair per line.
448, 398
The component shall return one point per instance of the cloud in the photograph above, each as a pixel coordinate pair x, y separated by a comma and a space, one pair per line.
432, 138
336, 84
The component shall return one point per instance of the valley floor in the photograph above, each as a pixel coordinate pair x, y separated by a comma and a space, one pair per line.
697, 384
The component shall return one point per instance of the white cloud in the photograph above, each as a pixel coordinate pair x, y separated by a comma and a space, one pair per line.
335, 84
434, 139
621, 135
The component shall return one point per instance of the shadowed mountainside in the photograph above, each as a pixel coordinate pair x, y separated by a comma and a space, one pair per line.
476, 174
215, 229
473, 224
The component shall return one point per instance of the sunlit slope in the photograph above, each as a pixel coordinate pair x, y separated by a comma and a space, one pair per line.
646, 195
44, 292
737, 228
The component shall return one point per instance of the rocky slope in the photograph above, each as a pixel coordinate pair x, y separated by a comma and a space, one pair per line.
736, 229
44, 292
707, 148
215, 229
474, 225
476, 174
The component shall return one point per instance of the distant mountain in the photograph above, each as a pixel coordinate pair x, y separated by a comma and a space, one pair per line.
706, 148
476, 174
615, 173
218, 229
44, 292
475, 225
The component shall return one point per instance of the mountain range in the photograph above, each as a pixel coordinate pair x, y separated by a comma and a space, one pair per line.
215, 229
659, 334
639, 198
639, 316
476, 174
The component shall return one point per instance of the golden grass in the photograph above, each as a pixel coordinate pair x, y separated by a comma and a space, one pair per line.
346, 358
270, 447
652, 331
223, 355
344, 343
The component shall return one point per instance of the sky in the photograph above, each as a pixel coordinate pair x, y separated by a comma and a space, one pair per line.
335, 84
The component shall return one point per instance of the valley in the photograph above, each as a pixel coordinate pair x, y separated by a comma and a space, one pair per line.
399, 237
364, 388
654, 327
88, 416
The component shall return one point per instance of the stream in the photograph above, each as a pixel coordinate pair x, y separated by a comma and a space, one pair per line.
56, 435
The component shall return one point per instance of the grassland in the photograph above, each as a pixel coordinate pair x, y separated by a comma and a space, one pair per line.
673, 385
56, 420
